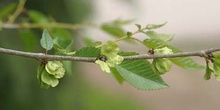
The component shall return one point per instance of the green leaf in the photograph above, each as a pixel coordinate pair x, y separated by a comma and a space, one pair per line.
103, 65
216, 66
184, 62
163, 37
28, 39
113, 30
155, 26
129, 34
216, 59
155, 43
155, 68
187, 63
59, 51
1, 25
112, 62
116, 75
139, 74
88, 52
49, 79
62, 38
163, 50
216, 71
46, 40
7, 10
89, 42
39, 73
161, 66
209, 71
110, 49
55, 68
120, 22
114, 71
68, 66
217, 55
138, 26
37, 17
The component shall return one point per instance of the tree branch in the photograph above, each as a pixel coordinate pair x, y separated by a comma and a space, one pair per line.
47, 25
41, 56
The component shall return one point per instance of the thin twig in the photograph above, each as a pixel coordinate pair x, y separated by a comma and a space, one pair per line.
47, 25
202, 53
42, 56
17, 11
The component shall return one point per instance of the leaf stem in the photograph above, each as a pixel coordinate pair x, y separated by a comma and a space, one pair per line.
134, 33
137, 40
121, 38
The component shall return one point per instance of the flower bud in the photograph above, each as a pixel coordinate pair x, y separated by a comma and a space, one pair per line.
103, 65
55, 68
110, 49
163, 50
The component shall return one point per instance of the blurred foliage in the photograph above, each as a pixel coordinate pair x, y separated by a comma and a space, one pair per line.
71, 11
18, 83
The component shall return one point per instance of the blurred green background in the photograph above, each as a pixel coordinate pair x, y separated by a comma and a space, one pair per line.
19, 88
